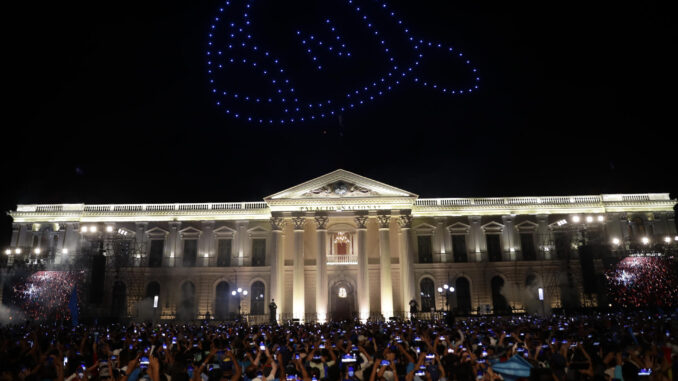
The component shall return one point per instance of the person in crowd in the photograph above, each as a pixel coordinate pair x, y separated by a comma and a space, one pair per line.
626, 346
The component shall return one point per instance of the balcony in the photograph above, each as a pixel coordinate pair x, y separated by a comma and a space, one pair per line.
343, 259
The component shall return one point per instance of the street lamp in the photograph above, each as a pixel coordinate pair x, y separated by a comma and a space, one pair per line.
241, 294
10, 256
446, 291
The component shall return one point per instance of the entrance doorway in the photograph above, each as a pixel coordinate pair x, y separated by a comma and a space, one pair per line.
342, 299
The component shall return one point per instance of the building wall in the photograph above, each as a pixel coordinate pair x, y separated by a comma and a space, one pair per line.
550, 272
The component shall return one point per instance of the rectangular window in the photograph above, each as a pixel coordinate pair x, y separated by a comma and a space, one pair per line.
258, 252
224, 255
527, 244
459, 248
493, 247
155, 256
190, 252
563, 243
425, 247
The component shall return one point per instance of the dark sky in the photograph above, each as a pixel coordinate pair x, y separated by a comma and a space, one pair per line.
109, 102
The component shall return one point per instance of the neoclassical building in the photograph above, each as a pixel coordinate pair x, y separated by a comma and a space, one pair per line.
342, 245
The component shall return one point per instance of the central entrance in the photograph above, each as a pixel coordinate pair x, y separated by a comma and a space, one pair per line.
342, 301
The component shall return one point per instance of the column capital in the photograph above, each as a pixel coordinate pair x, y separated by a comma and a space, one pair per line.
508, 218
321, 221
277, 223
542, 217
299, 222
384, 220
405, 221
175, 224
361, 221
474, 219
208, 223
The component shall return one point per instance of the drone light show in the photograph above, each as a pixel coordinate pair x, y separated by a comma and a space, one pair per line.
281, 63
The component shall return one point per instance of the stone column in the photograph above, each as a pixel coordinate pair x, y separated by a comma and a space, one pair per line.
298, 307
509, 236
445, 240
172, 242
363, 281
207, 238
625, 231
671, 225
16, 227
243, 249
477, 242
277, 263
406, 260
71, 241
140, 236
386, 283
543, 239
321, 293
25, 235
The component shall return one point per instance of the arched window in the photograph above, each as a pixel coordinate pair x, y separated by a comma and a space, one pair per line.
186, 307
499, 302
152, 289
530, 280
462, 288
221, 302
427, 293
257, 298
638, 226
119, 300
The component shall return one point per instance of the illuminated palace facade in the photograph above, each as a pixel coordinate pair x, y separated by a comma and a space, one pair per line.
342, 245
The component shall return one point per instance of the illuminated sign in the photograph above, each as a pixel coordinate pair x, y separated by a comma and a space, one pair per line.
339, 208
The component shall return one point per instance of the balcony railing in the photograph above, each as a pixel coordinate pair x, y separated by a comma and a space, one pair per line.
548, 200
127, 208
342, 259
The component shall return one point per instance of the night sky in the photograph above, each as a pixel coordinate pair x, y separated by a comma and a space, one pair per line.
108, 102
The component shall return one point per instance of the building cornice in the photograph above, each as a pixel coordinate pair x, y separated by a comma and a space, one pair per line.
606, 203
257, 210
260, 210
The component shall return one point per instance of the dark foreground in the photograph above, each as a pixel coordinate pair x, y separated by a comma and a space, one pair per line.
604, 347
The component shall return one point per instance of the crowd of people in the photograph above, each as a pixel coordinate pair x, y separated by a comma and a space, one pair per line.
638, 281
605, 347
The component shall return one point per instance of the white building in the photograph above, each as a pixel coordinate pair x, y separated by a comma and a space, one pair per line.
343, 245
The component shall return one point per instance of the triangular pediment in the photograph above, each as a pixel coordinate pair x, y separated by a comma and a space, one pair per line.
190, 230
157, 231
340, 184
459, 226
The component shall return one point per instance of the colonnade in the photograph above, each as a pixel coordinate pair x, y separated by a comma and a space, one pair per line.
386, 289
